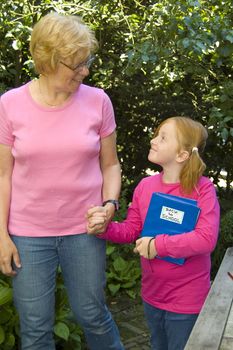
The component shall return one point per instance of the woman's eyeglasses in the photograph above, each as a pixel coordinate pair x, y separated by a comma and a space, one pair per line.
86, 64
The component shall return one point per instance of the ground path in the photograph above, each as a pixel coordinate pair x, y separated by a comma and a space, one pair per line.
128, 314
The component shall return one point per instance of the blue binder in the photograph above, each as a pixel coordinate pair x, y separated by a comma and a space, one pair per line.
168, 214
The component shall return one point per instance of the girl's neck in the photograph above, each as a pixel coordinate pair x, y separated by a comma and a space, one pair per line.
171, 175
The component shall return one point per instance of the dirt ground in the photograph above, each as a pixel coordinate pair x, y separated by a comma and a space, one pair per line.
128, 314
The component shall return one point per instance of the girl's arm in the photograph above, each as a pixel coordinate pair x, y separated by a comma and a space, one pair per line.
203, 239
125, 232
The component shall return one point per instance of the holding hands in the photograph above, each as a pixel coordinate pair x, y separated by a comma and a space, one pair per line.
98, 218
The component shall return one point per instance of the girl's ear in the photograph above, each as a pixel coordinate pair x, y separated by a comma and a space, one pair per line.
182, 156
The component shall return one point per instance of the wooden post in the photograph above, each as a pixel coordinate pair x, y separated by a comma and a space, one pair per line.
209, 328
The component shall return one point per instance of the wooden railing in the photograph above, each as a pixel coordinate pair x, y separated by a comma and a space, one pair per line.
214, 327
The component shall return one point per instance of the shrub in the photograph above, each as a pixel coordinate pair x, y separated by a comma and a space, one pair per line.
225, 240
9, 328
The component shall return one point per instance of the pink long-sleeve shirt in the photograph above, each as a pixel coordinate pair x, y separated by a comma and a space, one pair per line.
165, 285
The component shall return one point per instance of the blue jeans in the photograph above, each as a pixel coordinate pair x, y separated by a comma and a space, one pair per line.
82, 261
169, 330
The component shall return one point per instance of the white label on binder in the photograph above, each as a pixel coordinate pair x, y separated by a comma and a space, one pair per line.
171, 214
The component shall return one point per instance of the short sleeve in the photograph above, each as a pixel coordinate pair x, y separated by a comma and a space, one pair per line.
6, 136
108, 117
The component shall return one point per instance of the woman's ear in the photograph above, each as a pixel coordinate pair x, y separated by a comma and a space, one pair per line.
182, 156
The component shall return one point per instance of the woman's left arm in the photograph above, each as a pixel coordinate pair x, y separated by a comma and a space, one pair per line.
111, 172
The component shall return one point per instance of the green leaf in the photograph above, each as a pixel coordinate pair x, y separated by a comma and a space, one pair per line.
114, 288
145, 57
200, 45
227, 119
223, 98
229, 37
131, 293
10, 341
5, 315
224, 134
61, 314
186, 43
119, 264
110, 249
61, 330
6, 295
128, 285
2, 335
226, 50
76, 337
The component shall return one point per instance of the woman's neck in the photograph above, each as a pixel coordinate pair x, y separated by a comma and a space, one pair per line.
47, 94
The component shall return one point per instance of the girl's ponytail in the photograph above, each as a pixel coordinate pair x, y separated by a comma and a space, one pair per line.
192, 137
192, 171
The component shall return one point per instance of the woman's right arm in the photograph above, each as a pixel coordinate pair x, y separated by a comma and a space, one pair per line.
8, 250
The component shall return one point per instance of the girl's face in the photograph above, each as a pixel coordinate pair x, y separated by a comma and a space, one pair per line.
164, 147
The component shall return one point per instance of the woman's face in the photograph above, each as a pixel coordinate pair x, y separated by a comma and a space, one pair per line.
68, 76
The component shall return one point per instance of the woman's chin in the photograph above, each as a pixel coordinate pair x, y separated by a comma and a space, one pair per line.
76, 83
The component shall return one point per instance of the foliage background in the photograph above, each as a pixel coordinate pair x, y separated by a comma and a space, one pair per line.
156, 59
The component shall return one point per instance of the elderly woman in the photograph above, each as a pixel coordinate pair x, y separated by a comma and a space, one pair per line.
57, 159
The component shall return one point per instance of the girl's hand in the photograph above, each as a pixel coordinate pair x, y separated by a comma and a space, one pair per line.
145, 247
97, 220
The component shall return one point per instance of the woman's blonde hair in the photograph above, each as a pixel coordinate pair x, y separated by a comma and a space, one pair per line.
57, 37
191, 137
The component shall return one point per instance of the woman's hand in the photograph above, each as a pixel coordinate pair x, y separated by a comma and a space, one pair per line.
145, 247
97, 220
8, 255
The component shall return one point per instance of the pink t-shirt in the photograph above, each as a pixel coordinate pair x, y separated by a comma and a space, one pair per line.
165, 285
56, 175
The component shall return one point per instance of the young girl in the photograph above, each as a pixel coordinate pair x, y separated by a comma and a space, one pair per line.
173, 295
